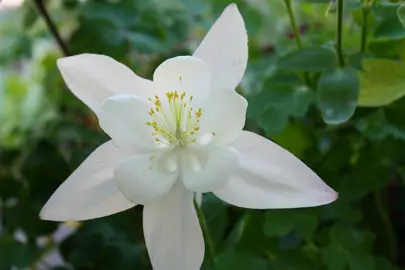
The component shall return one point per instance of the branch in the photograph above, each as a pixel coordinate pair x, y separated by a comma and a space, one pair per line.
51, 26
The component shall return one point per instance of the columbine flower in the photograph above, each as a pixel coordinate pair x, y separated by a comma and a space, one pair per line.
175, 136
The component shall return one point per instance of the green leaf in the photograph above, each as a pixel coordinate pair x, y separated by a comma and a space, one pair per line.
401, 14
382, 82
389, 26
317, 59
45, 169
374, 126
24, 215
305, 224
99, 36
103, 242
295, 138
253, 237
231, 259
278, 223
29, 16
120, 15
293, 260
145, 43
9, 186
383, 264
16, 254
277, 103
273, 121
394, 113
215, 214
317, 1
338, 91
346, 236
343, 211
334, 257
359, 259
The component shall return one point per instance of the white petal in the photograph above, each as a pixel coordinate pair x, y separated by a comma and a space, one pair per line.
271, 177
90, 191
183, 74
93, 78
225, 49
124, 119
142, 179
172, 232
209, 169
224, 113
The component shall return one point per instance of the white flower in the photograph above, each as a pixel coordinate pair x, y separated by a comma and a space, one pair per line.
173, 137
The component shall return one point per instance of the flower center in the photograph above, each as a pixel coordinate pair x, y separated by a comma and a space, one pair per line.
174, 121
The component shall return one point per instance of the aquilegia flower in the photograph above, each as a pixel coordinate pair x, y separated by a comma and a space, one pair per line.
173, 137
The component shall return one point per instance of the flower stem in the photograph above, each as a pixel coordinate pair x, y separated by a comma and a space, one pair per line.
296, 32
340, 5
40, 7
207, 236
390, 234
364, 26
293, 22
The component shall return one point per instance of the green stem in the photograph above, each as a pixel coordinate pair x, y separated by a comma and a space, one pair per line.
390, 234
207, 236
293, 22
340, 4
51, 246
364, 27
296, 32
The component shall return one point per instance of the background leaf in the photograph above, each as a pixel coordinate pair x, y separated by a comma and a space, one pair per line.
315, 59
338, 91
401, 14
382, 82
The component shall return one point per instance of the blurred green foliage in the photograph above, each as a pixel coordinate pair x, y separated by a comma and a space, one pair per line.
348, 124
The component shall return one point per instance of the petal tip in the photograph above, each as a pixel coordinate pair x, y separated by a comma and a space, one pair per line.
69, 60
325, 195
331, 197
43, 215
62, 62
336, 196
49, 215
232, 6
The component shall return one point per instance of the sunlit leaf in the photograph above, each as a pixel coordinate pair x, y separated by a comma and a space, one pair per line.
382, 82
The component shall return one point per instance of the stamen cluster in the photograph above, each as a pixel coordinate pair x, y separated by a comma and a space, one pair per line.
174, 121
